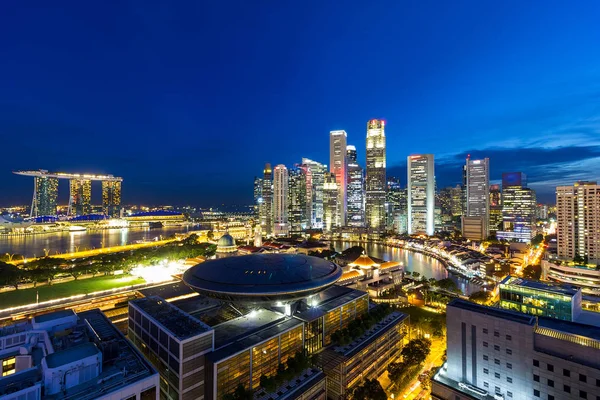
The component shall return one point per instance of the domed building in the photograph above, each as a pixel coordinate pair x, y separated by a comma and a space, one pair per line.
226, 246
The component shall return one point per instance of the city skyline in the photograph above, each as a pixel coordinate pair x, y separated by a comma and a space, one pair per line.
525, 97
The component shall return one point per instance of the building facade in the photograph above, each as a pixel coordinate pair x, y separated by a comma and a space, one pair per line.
258, 199
298, 209
375, 180
80, 196
45, 196
281, 195
421, 194
495, 209
338, 166
518, 208
111, 198
355, 190
315, 173
478, 199
331, 203
578, 222
494, 353
266, 206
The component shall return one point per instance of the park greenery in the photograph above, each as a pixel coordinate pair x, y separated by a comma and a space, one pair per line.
532, 272
294, 366
424, 321
413, 355
480, 297
47, 269
359, 326
370, 389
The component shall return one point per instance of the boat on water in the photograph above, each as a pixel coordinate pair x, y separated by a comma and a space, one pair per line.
76, 228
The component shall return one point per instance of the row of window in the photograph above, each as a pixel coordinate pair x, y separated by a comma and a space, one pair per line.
497, 334
497, 348
582, 394
566, 372
497, 389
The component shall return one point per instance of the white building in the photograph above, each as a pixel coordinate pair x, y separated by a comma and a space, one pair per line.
421, 194
337, 165
578, 221
478, 198
63, 355
281, 194
498, 354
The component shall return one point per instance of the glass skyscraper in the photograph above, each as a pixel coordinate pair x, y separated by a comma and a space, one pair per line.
280, 200
421, 194
355, 193
315, 180
375, 181
266, 206
298, 211
337, 165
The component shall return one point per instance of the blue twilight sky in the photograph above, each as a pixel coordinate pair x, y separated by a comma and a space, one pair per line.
188, 99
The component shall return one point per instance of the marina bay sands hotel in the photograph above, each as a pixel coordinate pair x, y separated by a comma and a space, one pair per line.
45, 192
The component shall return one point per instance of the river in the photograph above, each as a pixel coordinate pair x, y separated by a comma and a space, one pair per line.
67, 242
412, 261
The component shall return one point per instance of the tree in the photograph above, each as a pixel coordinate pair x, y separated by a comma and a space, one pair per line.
448, 284
415, 274
416, 351
210, 235
532, 272
480, 297
10, 275
370, 390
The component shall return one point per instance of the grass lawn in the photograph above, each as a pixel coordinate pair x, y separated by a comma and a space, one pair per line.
418, 313
60, 290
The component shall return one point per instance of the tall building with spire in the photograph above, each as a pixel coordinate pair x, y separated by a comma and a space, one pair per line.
266, 207
337, 166
421, 194
355, 190
375, 181
280, 200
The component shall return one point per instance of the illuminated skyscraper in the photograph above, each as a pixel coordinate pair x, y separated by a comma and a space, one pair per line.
478, 199
330, 202
337, 165
392, 202
258, 187
280, 201
298, 211
111, 198
355, 190
45, 193
315, 180
495, 209
375, 182
518, 208
578, 221
80, 196
457, 201
266, 208
421, 194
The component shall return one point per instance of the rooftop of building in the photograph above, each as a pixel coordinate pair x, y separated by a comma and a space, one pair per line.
181, 325
364, 261
293, 388
167, 291
92, 333
226, 241
53, 316
574, 328
566, 290
327, 300
262, 277
156, 213
493, 312
247, 331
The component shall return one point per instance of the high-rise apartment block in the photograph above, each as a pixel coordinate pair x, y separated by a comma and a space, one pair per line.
578, 221
421, 194
315, 181
518, 208
280, 200
375, 181
338, 166
355, 190
297, 208
476, 218
266, 206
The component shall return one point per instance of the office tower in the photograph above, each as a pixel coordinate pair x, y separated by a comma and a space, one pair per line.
45, 193
421, 194
297, 212
355, 192
495, 209
542, 211
280, 200
375, 181
258, 187
518, 208
457, 201
445, 201
337, 165
80, 196
578, 222
392, 201
111, 198
266, 208
330, 202
314, 190
498, 354
477, 182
